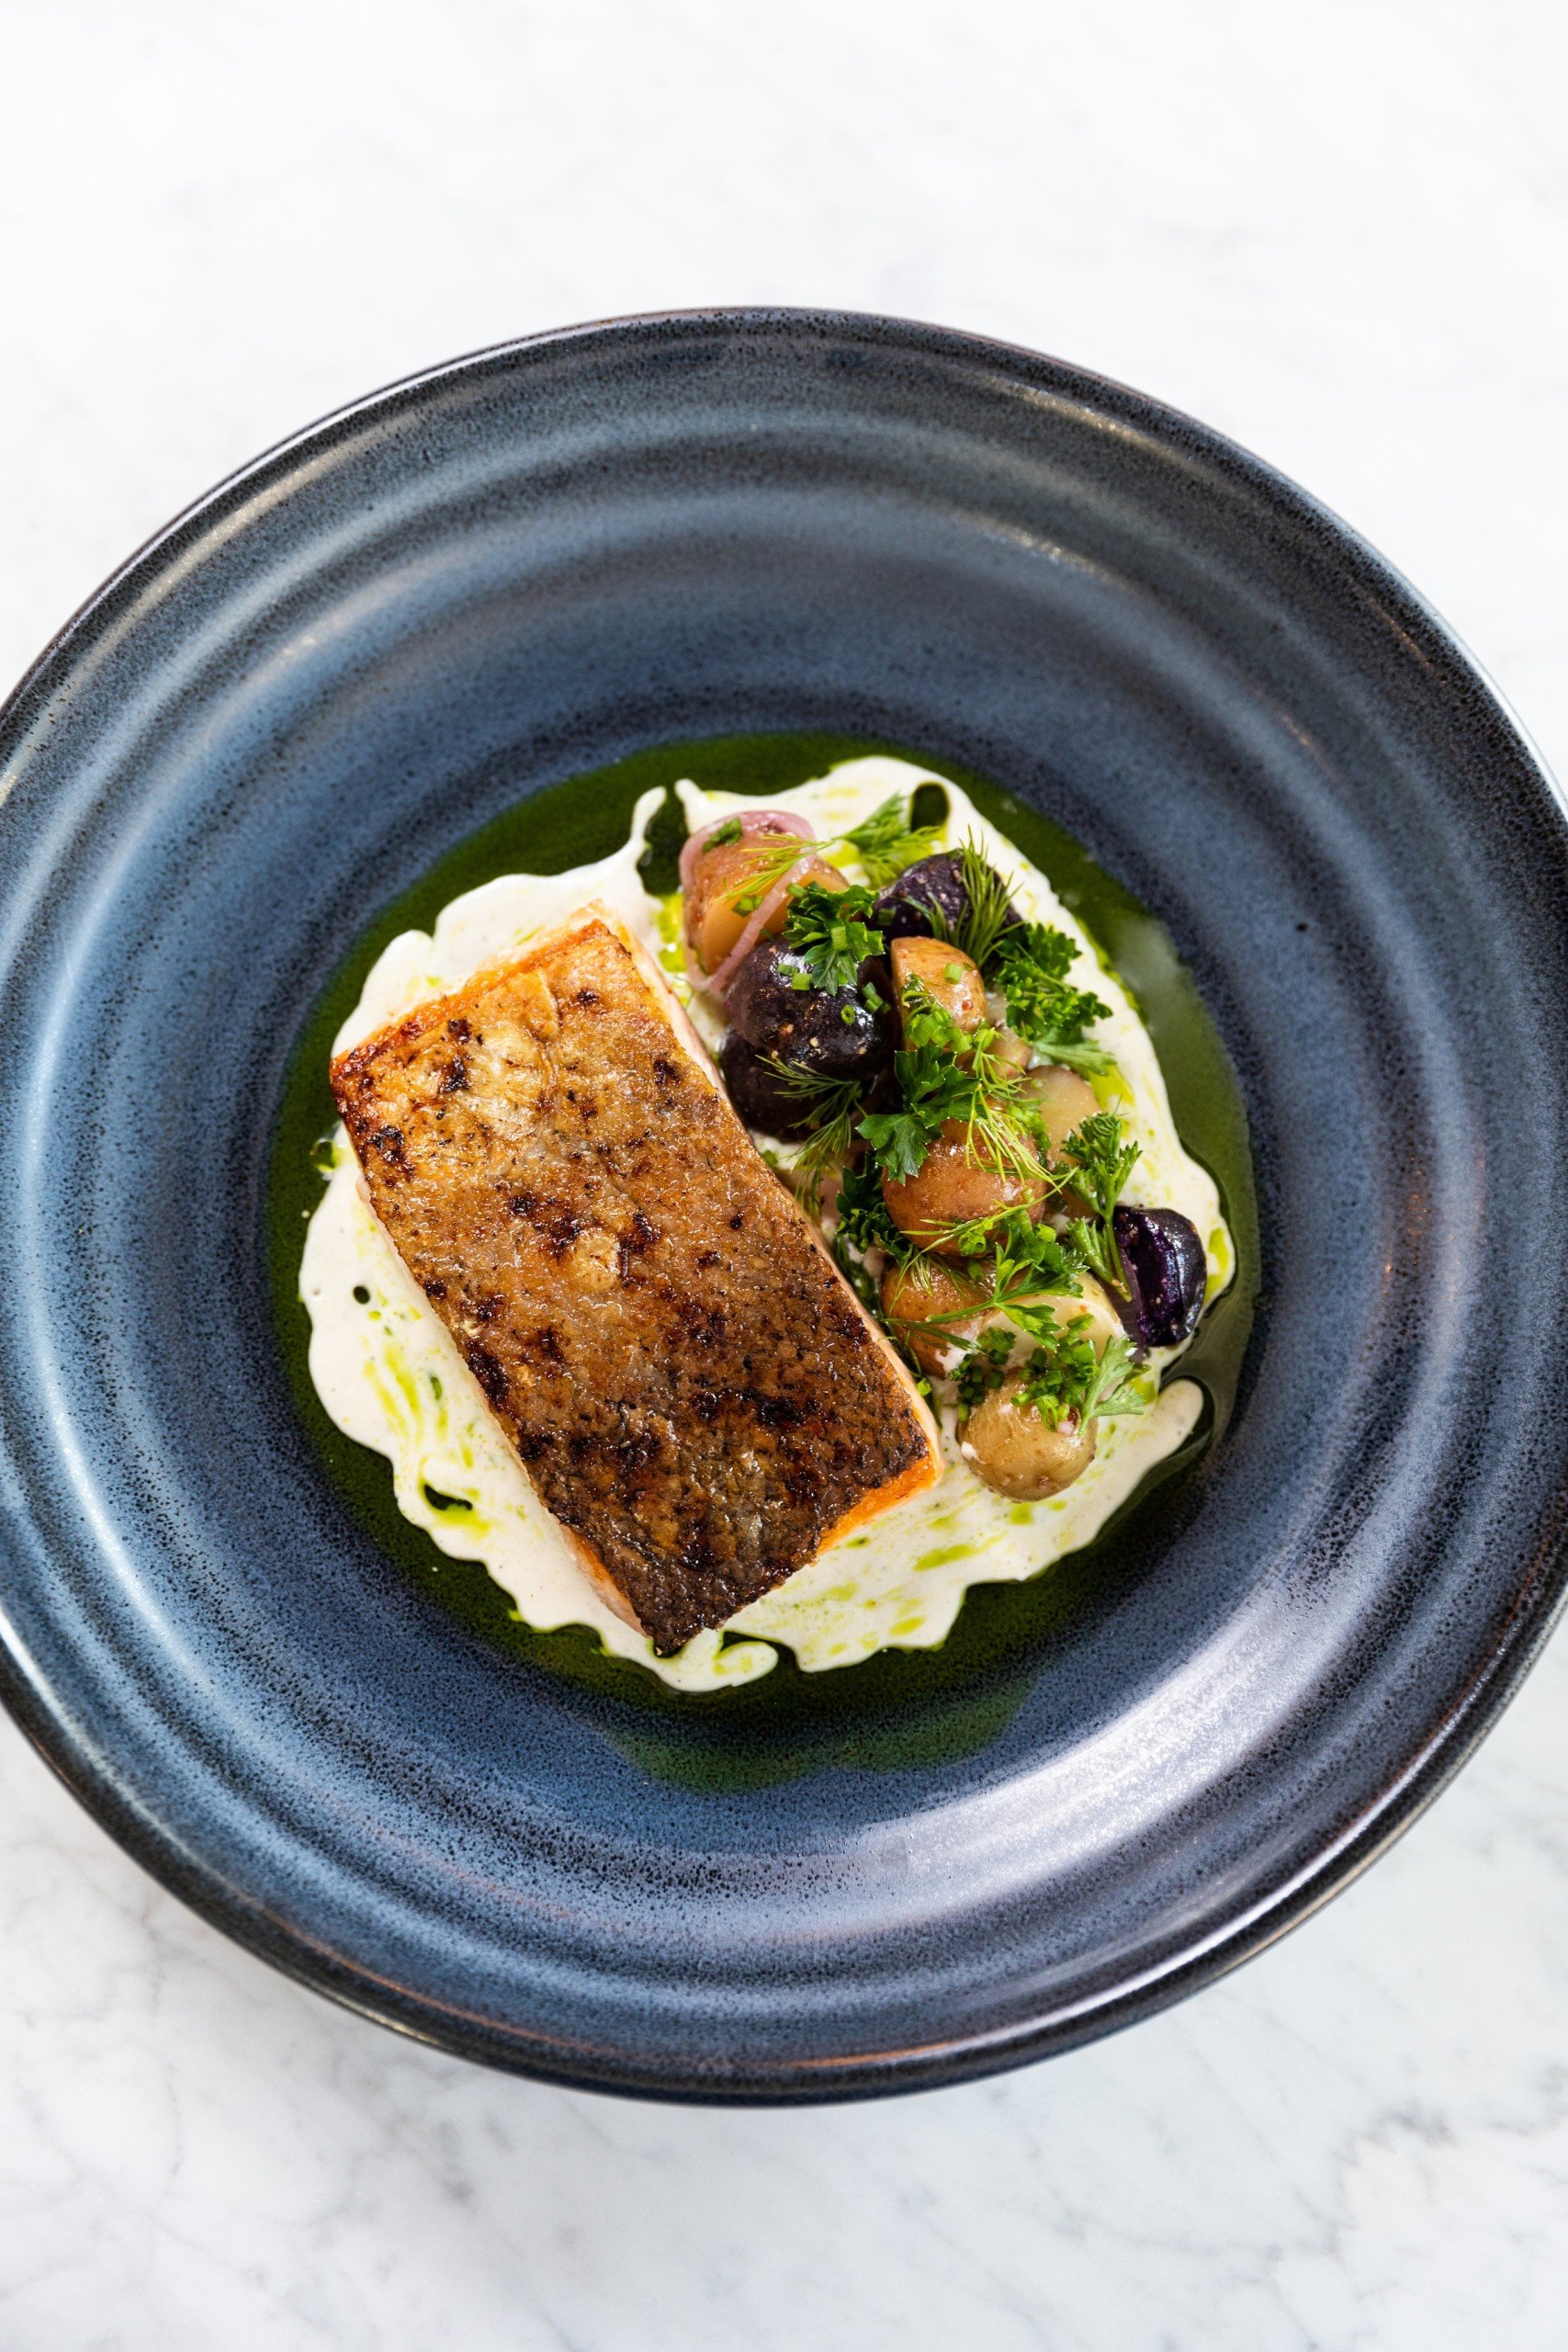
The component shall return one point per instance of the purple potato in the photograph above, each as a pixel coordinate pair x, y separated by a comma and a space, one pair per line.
1163, 1260
851, 1034
758, 1092
904, 908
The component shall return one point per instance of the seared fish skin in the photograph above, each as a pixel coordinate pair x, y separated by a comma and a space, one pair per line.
693, 1389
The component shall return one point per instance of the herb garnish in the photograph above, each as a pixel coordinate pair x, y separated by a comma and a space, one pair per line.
768, 862
1068, 1378
945, 1074
862, 1224
828, 931
886, 842
1101, 1163
1030, 1264
988, 911
1029, 964
1064, 1379
832, 1105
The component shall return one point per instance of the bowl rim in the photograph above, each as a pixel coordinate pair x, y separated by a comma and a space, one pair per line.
89, 1773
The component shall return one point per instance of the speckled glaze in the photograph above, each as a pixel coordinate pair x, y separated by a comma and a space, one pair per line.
530, 564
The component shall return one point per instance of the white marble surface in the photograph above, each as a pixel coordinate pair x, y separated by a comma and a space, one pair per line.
1340, 232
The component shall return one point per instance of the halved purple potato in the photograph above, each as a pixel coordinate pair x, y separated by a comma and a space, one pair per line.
1165, 1270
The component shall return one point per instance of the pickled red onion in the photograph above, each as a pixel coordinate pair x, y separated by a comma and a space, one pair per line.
752, 821
756, 825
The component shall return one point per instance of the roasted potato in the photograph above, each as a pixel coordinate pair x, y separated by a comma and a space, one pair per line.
949, 977
955, 1185
1015, 1449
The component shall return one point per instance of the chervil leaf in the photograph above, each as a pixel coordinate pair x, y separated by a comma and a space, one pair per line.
1102, 1160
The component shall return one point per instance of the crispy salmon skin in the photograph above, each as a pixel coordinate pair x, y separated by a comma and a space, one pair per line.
693, 1389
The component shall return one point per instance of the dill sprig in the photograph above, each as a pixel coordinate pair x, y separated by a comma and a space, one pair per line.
832, 1106
949, 1075
768, 864
988, 912
1030, 1265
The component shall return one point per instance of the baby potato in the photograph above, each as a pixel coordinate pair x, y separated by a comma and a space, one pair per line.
1063, 1100
1091, 1307
1016, 1450
725, 893
951, 1187
1104, 1323
919, 1293
948, 976
1012, 1050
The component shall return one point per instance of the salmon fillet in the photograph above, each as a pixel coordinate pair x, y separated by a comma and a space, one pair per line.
691, 1384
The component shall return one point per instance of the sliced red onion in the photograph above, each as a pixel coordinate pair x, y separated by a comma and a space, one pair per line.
756, 825
756, 924
752, 821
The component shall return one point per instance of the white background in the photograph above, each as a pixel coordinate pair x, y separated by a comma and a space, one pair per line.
1340, 232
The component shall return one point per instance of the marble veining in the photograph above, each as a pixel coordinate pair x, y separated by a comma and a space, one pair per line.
1359, 2139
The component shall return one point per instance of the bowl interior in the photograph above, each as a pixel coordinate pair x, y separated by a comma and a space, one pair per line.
541, 563
900, 1705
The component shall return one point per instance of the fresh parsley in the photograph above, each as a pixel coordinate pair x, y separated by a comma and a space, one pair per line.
828, 931
948, 1075
1066, 1379
1101, 1161
1029, 1262
1062, 1378
1029, 964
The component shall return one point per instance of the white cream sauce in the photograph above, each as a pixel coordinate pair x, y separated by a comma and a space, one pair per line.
389, 1374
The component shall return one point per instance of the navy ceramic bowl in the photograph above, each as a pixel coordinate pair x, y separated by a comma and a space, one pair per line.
528, 565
